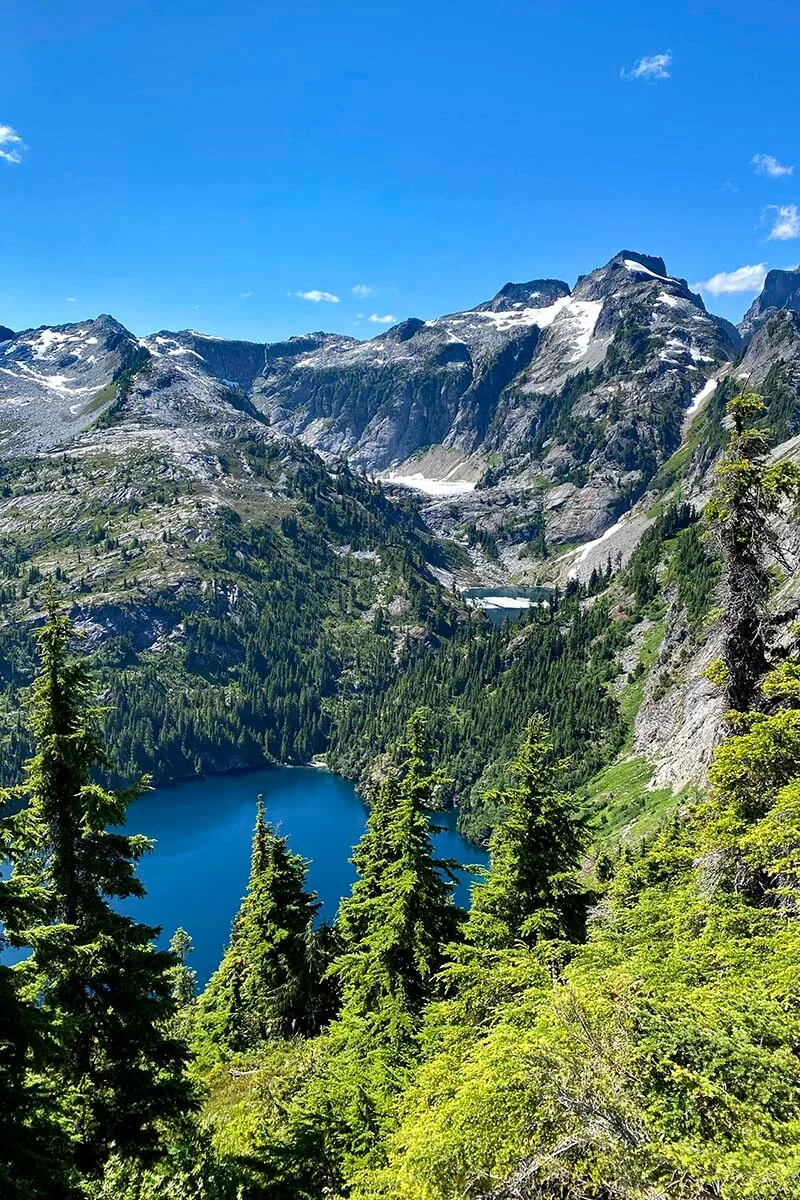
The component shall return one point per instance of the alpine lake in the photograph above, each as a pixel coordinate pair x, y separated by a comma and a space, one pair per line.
197, 872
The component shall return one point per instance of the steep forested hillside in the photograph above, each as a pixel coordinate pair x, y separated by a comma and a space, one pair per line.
222, 612
581, 660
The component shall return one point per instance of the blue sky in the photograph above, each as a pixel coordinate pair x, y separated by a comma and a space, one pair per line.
204, 164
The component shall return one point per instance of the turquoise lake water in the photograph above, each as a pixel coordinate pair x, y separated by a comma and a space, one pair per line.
198, 870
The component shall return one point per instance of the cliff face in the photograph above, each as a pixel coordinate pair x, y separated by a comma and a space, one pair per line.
781, 291
491, 378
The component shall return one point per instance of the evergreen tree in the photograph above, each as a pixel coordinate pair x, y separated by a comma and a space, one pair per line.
102, 987
400, 914
393, 929
749, 822
530, 891
270, 981
749, 492
184, 979
31, 1144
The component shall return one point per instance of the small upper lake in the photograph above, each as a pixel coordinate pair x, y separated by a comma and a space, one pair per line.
506, 603
197, 873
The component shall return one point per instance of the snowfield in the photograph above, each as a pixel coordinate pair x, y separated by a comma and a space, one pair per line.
431, 487
635, 266
598, 541
708, 388
499, 602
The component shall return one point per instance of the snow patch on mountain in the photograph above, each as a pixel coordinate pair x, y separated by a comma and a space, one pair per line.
673, 301
431, 487
543, 317
707, 390
640, 269
598, 541
580, 317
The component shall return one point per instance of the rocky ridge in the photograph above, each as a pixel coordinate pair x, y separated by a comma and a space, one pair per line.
781, 291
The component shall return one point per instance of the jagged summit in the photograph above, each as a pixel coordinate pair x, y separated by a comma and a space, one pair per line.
536, 293
630, 269
52, 379
781, 290
651, 263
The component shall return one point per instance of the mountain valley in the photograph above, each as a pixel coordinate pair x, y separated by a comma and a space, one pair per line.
263, 533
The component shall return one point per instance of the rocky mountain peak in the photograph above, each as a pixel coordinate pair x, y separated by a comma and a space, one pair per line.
402, 332
651, 263
536, 293
6, 334
55, 379
781, 290
627, 273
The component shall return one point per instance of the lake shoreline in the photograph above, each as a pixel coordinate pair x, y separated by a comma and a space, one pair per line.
202, 827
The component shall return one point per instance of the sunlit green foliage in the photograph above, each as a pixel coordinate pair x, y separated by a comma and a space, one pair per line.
662, 1060
530, 892
270, 981
116, 1074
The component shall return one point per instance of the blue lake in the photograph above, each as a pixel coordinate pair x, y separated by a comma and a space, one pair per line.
197, 873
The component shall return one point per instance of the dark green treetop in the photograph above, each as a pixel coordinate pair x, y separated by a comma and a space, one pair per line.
749, 493
32, 1143
401, 914
101, 985
530, 891
269, 983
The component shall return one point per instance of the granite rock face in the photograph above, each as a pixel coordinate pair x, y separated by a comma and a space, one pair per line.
421, 383
781, 291
573, 438
774, 344
54, 381
487, 379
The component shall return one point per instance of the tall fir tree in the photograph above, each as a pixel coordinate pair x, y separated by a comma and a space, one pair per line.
101, 985
32, 1145
393, 930
749, 493
270, 982
184, 979
401, 914
530, 891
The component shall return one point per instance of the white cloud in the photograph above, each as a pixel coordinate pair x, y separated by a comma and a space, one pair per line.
362, 290
743, 279
786, 224
653, 66
11, 145
246, 295
70, 299
388, 319
315, 296
766, 164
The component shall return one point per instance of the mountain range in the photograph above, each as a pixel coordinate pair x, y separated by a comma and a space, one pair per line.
182, 487
544, 409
